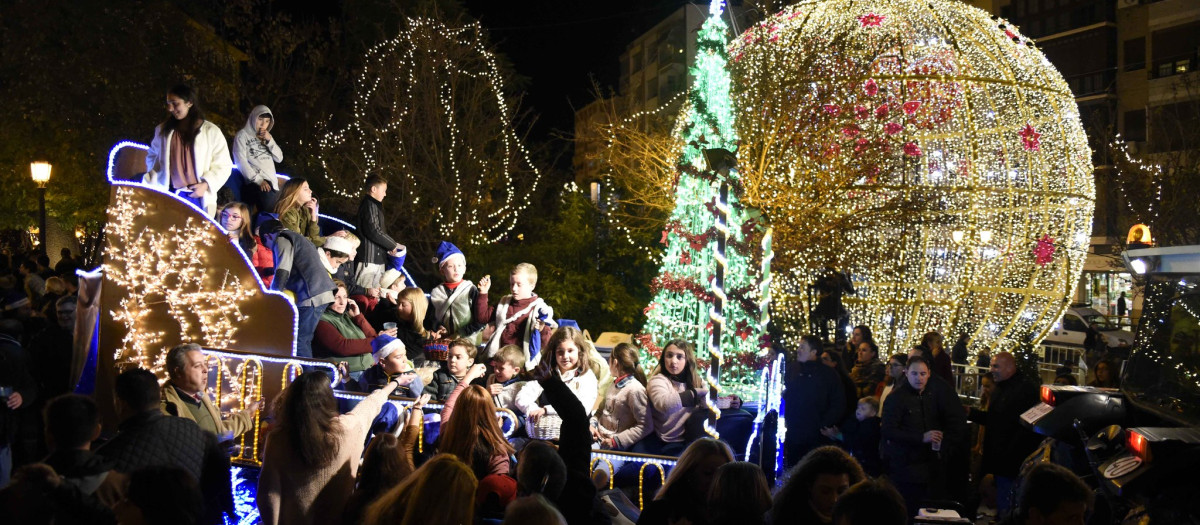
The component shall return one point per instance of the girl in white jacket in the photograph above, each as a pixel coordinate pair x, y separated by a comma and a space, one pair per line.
188, 155
572, 363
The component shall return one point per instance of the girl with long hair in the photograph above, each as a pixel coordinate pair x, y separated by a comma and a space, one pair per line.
677, 394
409, 316
312, 453
739, 495
188, 155
566, 355
441, 492
387, 462
297, 210
685, 493
623, 419
470, 430
235, 219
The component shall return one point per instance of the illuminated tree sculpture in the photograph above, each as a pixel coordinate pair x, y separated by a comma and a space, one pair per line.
928, 150
708, 288
431, 114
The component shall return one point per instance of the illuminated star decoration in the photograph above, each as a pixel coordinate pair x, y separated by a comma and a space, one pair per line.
871, 20
1031, 138
1044, 251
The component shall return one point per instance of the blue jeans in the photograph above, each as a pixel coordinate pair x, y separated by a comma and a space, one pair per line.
5, 464
306, 323
1004, 495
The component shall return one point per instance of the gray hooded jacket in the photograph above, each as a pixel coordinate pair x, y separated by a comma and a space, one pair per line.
256, 159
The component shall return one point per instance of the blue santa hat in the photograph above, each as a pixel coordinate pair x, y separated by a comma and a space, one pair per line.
383, 345
446, 251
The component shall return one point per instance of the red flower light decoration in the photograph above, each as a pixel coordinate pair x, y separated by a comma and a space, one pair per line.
871, 20
912, 106
912, 149
1044, 251
832, 109
892, 128
861, 112
881, 112
870, 87
1030, 138
850, 131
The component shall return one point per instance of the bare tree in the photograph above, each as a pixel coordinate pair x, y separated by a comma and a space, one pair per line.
433, 116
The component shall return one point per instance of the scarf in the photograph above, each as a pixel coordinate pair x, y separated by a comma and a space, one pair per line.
344, 323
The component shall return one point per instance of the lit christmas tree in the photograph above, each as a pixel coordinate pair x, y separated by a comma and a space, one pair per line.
709, 290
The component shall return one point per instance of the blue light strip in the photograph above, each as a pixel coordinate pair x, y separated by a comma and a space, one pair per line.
307, 363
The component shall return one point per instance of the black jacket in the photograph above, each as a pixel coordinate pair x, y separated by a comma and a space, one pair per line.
578, 501
375, 240
814, 398
152, 438
1006, 443
907, 415
14, 372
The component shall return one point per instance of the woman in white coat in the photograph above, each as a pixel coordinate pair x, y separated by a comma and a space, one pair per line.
188, 155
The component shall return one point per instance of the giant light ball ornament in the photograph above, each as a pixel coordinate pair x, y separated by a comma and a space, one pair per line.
926, 148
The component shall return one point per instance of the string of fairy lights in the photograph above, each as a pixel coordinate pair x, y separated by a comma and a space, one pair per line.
1145, 169
709, 231
170, 267
926, 149
489, 194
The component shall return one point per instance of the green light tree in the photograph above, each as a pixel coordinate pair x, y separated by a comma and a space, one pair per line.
710, 289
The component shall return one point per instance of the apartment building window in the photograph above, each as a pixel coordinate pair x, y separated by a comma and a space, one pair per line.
1135, 54
652, 87
1175, 50
636, 56
1135, 126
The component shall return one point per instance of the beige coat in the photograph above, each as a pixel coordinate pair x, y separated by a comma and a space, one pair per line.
227, 429
297, 494
624, 415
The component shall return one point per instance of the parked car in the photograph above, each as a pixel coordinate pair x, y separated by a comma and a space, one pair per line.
1072, 329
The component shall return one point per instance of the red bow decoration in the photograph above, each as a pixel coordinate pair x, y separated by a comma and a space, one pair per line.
649, 308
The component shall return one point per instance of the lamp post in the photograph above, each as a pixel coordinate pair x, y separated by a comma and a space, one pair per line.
41, 175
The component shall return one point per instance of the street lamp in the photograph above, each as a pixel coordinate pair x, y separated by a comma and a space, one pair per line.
41, 175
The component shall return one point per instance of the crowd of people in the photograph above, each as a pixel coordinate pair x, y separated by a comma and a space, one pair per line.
869, 442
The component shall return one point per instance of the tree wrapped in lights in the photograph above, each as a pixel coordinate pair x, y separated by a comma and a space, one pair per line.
708, 287
431, 114
928, 150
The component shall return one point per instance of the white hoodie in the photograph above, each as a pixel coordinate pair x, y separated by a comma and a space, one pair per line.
255, 159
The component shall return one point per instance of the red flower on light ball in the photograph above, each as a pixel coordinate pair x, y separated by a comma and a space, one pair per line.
1044, 251
1030, 138
871, 20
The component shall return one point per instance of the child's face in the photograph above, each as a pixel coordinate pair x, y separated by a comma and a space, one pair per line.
458, 362
674, 359
863, 412
453, 270
567, 356
404, 310
395, 363
504, 370
231, 219
522, 285
264, 125
304, 194
379, 191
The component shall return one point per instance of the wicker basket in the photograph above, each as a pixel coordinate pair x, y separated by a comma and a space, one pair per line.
437, 350
546, 428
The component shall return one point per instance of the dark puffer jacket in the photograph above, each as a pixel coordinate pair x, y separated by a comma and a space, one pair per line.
907, 416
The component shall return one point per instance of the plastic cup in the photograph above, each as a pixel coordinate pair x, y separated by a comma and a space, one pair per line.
389, 326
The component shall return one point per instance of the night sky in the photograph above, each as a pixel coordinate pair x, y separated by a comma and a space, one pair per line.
558, 44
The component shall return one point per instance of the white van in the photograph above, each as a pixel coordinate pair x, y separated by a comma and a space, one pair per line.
1072, 329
